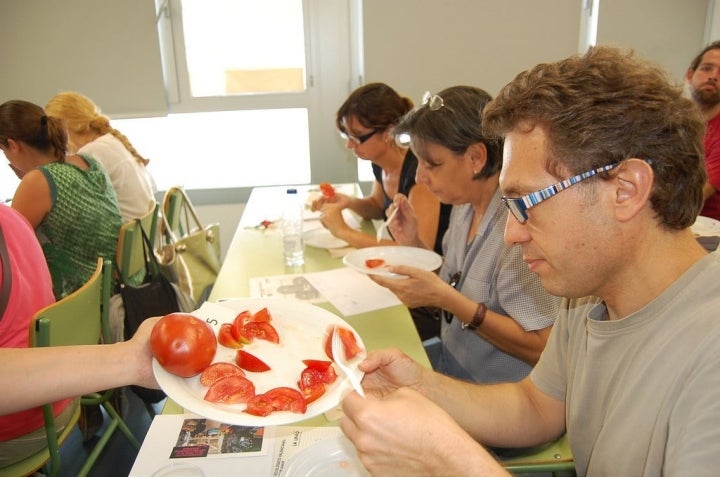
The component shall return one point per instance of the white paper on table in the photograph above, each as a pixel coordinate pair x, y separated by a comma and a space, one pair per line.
279, 445
351, 292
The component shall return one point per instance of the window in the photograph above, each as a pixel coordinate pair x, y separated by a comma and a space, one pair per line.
248, 105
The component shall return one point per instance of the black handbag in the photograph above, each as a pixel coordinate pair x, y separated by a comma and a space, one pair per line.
154, 297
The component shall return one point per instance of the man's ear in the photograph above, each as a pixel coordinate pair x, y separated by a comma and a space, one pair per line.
634, 181
689, 74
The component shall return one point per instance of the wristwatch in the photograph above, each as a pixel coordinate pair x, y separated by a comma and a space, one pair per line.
477, 318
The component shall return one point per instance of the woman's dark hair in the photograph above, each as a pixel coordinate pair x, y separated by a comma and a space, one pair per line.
27, 122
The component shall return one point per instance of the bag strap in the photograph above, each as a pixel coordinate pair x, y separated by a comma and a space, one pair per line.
6, 275
151, 266
188, 210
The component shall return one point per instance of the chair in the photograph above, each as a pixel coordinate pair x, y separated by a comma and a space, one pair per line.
129, 256
555, 457
80, 318
173, 205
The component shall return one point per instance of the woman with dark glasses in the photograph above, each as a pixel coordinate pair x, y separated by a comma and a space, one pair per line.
496, 314
365, 121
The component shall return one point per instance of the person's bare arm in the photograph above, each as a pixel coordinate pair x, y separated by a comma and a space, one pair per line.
32, 377
32, 197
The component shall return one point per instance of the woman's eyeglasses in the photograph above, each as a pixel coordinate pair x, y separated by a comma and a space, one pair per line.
359, 139
432, 101
453, 282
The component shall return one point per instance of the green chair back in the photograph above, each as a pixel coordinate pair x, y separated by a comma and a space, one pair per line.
130, 259
555, 458
173, 205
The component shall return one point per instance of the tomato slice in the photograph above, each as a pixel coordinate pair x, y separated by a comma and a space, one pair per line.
313, 393
374, 262
218, 371
231, 390
259, 405
327, 190
348, 340
319, 364
287, 399
250, 362
261, 330
261, 316
310, 378
226, 337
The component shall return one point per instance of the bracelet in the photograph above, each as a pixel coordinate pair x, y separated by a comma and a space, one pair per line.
477, 318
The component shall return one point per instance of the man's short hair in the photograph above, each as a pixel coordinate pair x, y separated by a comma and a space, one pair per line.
604, 107
715, 45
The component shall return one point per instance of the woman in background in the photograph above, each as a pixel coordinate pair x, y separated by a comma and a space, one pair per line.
68, 199
365, 121
90, 133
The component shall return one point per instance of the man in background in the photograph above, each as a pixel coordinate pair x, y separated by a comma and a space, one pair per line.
702, 77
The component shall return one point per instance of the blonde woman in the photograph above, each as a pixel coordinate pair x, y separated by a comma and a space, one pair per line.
90, 133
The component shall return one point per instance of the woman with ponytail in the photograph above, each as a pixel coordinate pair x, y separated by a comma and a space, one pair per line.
90, 133
67, 199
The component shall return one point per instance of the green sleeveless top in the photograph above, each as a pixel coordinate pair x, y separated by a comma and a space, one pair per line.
83, 223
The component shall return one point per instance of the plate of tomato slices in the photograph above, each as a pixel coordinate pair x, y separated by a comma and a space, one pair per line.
376, 260
278, 345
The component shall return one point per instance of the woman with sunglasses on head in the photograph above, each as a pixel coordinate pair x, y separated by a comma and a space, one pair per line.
496, 314
365, 121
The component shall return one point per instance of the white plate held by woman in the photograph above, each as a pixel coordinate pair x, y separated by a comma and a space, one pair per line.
375, 260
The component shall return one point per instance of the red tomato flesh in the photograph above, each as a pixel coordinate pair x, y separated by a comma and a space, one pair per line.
183, 344
261, 330
349, 342
231, 390
250, 362
218, 371
226, 337
327, 190
374, 262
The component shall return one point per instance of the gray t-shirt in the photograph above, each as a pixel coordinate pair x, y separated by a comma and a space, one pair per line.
642, 393
495, 274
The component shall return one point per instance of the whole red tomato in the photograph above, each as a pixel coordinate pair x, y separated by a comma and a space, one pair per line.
183, 344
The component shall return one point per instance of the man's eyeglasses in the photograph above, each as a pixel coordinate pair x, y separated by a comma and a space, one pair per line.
359, 139
454, 281
520, 205
432, 101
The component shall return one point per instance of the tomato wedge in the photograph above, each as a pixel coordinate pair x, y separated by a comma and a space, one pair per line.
374, 262
219, 370
313, 393
277, 399
348, 340
250, 362
226, 337
259, 405
319, 364
287, 399
231, 390
327, 190
261, 316
262, 330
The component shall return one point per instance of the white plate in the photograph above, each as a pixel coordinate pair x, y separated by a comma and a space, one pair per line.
302, 328
705, 226
392, 255
321, 237
333, 457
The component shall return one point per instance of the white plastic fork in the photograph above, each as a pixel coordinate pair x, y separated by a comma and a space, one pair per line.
338, 352
384, 225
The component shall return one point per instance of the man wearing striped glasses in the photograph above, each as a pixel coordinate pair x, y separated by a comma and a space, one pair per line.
603, 174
